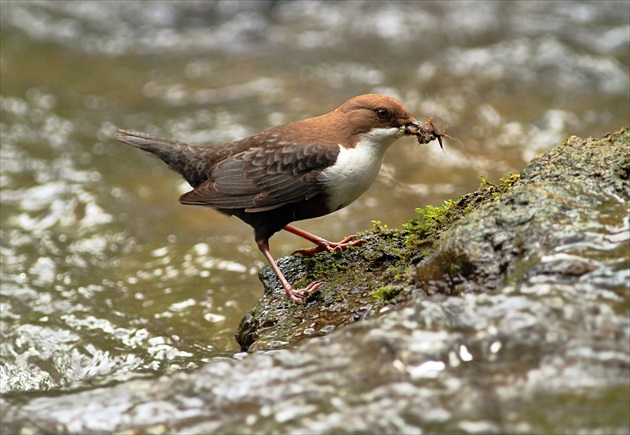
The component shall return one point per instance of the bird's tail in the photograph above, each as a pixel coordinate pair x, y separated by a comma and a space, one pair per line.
188, 160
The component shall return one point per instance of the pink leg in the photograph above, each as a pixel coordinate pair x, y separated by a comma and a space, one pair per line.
322, 244
293, 294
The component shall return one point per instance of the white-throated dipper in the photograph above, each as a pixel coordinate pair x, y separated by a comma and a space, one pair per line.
296, 171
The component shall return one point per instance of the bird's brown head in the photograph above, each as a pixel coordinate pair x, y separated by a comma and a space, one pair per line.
383, 118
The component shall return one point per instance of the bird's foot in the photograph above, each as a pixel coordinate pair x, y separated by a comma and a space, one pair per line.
325, 245
298, 296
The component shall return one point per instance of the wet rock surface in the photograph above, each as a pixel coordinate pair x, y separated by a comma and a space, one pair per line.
567, 203
511, 316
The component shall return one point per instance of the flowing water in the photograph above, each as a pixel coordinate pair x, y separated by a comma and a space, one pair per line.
106, 277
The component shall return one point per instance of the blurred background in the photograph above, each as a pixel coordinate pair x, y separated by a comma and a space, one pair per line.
104, 276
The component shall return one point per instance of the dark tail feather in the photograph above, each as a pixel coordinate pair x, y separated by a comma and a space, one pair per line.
188, 160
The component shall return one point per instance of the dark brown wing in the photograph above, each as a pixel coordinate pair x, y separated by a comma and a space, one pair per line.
264, 178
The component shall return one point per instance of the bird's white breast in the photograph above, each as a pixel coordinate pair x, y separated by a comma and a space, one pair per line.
356, 168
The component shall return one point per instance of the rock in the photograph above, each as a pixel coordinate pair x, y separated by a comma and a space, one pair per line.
510, 315
562, 200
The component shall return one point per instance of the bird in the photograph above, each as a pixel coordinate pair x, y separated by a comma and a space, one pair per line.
302, 170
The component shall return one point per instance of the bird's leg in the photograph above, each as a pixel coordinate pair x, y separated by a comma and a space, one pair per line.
322, 244
293, 294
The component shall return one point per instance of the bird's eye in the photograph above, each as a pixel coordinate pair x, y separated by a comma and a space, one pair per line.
382, 113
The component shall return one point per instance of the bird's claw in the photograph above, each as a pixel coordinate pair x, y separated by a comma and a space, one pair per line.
331, 246
298, 295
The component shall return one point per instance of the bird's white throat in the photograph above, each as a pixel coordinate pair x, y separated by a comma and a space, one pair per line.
356, 168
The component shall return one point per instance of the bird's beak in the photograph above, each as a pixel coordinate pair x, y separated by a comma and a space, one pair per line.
411, 128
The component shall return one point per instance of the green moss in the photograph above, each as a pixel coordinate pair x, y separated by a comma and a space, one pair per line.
429, 218
386, 293
420, 233
497, 190
379, 227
